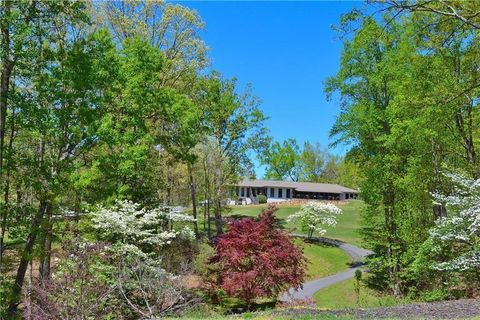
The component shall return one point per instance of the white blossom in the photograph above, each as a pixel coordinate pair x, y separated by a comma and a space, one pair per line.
313, 216
133, 226
459, 232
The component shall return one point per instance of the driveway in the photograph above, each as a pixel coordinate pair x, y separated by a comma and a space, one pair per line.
309, 288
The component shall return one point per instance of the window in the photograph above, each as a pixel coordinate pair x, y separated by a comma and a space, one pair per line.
242, 192
272, 192
280, 195
248, 192
288, 193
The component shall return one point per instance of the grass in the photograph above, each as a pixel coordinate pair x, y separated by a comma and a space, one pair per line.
263, 315
346, 229
342, 295
324, 260
205, 312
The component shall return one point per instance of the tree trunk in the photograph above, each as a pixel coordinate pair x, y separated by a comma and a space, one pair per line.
391, 229
46, 255
6, 199
218, 216
15, 296
7, 67
194, 199
209, 218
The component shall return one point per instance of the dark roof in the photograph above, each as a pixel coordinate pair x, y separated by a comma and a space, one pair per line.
299, 186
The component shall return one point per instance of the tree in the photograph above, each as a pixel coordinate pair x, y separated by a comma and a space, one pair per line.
313, 216
393, 119
65, 102
235, 124
286, 161
466, 12
255, 259
140, 231
281, 160
452, 249
312, 162
171, 28
349, 173
139, 238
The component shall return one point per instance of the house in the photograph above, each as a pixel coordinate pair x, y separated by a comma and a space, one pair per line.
247, 191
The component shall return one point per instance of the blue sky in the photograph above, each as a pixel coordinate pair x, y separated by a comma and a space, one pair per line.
285, 50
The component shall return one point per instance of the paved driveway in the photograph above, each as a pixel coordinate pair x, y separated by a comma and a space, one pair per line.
309, 288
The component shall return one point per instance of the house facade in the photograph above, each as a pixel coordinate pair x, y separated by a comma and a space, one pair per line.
247, 191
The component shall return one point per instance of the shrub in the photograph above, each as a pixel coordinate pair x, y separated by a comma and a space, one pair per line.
79, 288
436, 295
148, 291
255, 259
262, 199
200, 263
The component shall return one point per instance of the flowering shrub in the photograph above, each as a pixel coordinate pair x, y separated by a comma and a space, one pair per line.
132, 229
255, 259
314, 215
142, 239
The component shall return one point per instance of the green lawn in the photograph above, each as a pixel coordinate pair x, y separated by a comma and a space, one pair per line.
345, 230
324, 260
342, 295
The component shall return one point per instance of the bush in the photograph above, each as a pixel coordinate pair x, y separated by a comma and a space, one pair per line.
262, 199
82, 270
436, 295
200, 263
255, 259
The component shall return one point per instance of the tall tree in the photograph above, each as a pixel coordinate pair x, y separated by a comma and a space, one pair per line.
63, 119
235, 124
403, 127
281, 159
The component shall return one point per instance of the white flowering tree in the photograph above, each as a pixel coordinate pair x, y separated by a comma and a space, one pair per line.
314, 216
138, 236
131, 228
455, 239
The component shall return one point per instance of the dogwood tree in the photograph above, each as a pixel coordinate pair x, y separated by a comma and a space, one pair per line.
139, 236
314, 216
140, 231
455, 239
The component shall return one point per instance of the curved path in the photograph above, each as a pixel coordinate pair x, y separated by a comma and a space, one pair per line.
309, 288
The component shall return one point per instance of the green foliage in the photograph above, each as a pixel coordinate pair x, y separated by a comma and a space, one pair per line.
436, 295
108, 101
401, 85
286, 161
200, 263
281, 160
262, 199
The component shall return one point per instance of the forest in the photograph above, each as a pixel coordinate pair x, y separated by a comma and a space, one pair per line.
120, 144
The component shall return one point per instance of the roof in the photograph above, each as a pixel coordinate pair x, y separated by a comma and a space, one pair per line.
298, 186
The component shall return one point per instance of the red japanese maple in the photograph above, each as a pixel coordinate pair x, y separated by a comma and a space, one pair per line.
256, 259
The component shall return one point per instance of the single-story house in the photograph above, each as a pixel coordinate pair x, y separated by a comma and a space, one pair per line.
247, 191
